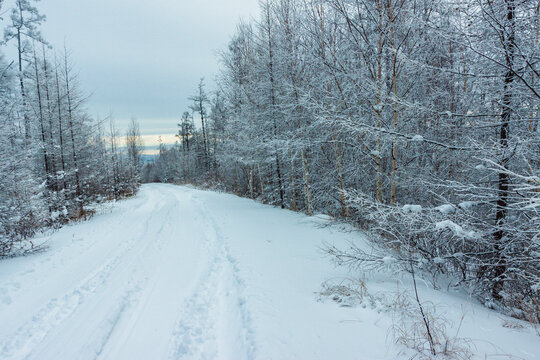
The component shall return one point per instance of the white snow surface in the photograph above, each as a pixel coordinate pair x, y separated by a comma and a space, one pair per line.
446, 208
458, 230
466, 205
180, 273
412, 208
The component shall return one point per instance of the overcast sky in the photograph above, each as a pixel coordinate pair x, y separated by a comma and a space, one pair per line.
143, 58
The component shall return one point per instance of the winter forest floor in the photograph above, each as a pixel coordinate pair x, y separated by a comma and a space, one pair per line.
188, 274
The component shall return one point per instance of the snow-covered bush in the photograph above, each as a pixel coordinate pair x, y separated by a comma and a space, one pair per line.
457, 243
417, 325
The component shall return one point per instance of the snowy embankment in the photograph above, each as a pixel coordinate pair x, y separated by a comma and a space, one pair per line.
187, 274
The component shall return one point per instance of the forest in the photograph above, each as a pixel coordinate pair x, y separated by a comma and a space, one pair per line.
415, 121
57, 161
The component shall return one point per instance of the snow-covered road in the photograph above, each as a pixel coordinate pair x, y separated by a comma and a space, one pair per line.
186, 274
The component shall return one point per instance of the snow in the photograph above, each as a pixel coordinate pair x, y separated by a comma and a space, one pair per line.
466, 205
418, 138
187, 274
322, 219
388, 260
480, 167
438, 260
446, 208
457, 229
412, 208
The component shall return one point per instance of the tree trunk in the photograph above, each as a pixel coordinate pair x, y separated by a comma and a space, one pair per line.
394, 103
335, 147
60, 126
378, 103
272, 113
42, 127
503, 179
54, 175
78, 191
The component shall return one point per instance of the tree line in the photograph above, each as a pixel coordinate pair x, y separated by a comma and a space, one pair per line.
56, 160
414, 120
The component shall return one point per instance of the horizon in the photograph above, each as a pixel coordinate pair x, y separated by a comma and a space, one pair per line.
146, 69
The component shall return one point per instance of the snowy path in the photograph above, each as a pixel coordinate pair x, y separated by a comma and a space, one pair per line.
136, 283
178, 273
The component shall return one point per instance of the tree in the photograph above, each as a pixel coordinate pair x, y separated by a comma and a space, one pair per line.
25, 21
134, 146
414, 120
200, 102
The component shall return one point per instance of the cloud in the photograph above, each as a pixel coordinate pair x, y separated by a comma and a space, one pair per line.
143, 58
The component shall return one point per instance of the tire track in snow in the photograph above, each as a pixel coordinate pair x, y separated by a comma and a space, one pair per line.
153, 312
56, 311
194, 335
112, 321
215, 322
